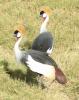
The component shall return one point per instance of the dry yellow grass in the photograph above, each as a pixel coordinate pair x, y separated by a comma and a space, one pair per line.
64, 25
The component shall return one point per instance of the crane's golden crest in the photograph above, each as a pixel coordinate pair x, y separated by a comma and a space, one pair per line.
46, 9
21, 29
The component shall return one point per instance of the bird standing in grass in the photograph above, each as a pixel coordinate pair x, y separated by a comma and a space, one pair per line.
37, 61
44, 41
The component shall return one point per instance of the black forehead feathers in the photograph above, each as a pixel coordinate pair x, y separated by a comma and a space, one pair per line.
42, 12
16, 31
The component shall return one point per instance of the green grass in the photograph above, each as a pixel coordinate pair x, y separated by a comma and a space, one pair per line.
16, 82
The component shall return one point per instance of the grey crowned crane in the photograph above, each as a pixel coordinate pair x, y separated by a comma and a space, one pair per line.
44, 41
37, 61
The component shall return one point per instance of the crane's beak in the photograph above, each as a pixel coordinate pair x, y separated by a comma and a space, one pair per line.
40, 16
14, 35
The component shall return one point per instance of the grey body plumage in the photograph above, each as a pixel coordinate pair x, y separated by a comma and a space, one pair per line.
43, 42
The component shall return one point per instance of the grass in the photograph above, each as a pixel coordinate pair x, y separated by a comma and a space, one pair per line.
16, 82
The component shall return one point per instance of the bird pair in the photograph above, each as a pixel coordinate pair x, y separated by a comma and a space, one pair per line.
37, 58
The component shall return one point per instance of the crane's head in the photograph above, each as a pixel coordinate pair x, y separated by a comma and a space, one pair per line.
45, 11
43, 14
19, 31
17, 34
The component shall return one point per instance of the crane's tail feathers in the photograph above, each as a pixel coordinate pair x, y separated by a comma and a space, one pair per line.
60, 77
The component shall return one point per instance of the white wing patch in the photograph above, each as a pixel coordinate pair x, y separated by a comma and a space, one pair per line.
30, 58
44, 69
49, 51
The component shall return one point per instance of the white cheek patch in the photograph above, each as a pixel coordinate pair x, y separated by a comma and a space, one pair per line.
44, 15
19, 34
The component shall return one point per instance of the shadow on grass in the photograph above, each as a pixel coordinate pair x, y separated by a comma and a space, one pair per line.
29, 77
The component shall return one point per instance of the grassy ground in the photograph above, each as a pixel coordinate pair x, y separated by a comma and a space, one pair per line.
15, 81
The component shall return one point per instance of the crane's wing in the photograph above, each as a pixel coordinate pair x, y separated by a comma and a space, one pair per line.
41, 57
41, 63
43, 42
